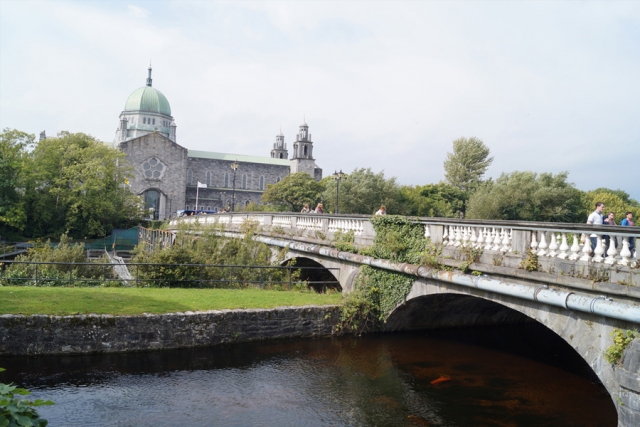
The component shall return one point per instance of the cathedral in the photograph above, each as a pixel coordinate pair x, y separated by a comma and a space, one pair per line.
171, 177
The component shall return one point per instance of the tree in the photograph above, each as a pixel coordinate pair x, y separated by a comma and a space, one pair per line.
528, 196
293, 191
14, 158
433, 200
76, 184
362, 192
467, 164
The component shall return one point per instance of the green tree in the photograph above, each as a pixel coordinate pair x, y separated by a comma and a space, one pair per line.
433, 200
467, 164
14, 158
293, 191
528, 196
77, 185
362, 192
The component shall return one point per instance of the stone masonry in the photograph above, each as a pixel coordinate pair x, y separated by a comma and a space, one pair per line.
41, 334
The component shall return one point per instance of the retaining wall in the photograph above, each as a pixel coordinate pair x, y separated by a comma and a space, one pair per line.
41, 334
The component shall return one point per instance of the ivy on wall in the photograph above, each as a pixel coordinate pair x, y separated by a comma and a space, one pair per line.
377, 292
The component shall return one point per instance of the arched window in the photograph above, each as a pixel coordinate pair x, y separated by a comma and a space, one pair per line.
226, 180
246, 203
189, 177
152, 203
305, 150
208, 208
244, 181
208, 178
262, 183
144, 120
281, 156
154, 121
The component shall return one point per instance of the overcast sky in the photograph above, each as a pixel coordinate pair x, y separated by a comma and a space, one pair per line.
548, 86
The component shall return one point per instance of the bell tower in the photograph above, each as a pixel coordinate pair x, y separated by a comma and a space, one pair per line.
302, 160
280, 148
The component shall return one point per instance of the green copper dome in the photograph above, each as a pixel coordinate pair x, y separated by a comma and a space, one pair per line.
148, 99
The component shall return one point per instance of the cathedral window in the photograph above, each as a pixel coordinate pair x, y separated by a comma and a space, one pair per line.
244, 181
262, 183
189, 177
281, 155
153, 168
208, 178
247, 203
154, 121
226, 180
305, 150
144, 120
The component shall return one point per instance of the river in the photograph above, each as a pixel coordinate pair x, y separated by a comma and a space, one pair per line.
473, 377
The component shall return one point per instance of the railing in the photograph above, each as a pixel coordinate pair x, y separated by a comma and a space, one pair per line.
160, 275
610, 245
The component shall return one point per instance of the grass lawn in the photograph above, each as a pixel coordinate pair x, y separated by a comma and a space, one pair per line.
63, 301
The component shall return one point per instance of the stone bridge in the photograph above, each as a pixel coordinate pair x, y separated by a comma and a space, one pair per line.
580, 293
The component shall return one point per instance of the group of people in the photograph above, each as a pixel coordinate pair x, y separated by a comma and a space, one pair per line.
318, 210
597, 218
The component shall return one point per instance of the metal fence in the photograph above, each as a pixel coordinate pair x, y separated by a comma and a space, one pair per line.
30, 273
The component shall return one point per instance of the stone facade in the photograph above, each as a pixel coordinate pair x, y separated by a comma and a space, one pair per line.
167, 174
40, 334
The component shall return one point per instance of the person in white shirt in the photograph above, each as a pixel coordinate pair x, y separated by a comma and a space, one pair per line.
596, 219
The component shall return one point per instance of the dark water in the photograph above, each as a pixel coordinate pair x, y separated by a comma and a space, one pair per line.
409, 379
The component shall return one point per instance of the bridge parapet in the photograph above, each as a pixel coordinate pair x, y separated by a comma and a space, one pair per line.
559, 248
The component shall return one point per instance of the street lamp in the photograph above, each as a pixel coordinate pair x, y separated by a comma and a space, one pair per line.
338, 176
234, 166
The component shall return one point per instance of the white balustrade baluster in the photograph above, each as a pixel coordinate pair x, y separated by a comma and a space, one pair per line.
458, 241
599, 250
445, 236
497, 240
586, 250
575, 248
534, 241
489, 238
564, 247
427, 235
465, 236
625, 253
542, 246
480, 241
612, 252
473, 240
505, 241
553, 246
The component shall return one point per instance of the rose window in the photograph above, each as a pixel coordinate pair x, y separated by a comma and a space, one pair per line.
153, 168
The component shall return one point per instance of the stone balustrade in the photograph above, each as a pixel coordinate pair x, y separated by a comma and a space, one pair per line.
562, 241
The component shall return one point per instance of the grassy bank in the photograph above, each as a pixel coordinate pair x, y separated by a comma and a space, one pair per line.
63, 301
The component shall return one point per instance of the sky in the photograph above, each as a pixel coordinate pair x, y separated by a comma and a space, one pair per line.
549, 86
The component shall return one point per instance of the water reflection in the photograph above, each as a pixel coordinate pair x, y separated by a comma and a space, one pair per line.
405, 379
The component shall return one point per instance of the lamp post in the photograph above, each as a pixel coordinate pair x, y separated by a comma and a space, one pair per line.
338, 176
234, 166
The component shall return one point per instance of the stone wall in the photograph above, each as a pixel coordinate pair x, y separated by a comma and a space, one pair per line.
217, 194
41, 334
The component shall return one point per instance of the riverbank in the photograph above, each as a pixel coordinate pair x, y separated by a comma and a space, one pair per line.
84, 334
27, 300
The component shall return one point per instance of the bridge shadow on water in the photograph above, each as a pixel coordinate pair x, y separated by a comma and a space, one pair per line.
479, 322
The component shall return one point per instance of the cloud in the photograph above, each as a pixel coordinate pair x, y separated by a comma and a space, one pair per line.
548, 86
137, 11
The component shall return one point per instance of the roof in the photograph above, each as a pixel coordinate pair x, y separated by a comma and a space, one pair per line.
238, 157
148, 99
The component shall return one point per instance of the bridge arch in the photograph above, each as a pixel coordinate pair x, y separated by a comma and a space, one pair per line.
320, 278
434, 305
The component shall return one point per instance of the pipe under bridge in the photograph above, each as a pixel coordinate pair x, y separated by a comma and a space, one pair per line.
581, 293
